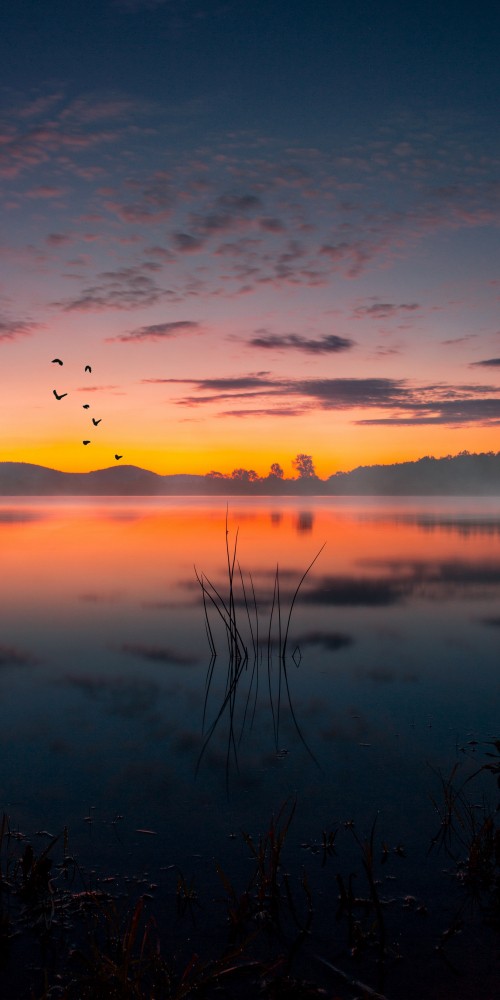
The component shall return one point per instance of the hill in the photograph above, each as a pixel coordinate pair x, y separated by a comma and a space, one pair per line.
460, 475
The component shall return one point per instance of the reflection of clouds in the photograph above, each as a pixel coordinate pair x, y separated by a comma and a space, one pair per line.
406, 578
493, 622
331, 641
157, 654
101, 597
353, 591
463, 526
167, 605
12, 516
414, 572
128, 698
11, 656
383, 675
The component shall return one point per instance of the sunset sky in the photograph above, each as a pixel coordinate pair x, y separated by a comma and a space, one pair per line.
269, 226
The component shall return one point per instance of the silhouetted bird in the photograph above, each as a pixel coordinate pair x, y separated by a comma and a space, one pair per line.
63, 394
88, 368
86, 406
56, 361
96, 422
118, 457
85, 442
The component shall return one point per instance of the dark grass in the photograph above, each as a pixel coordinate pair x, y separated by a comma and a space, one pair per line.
64, 935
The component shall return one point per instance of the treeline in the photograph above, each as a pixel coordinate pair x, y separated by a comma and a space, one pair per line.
465, 474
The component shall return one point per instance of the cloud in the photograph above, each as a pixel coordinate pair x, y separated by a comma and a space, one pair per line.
126, 288
428, 404
328, 344
456, 412
158, 331
488, 363
56, 129
154, 204
58, 239
45, 192
384, 310
278, 411
11, 329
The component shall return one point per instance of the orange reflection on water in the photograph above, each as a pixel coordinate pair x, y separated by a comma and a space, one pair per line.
53, 550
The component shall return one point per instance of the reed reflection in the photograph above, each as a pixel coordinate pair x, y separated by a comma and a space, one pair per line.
238, 615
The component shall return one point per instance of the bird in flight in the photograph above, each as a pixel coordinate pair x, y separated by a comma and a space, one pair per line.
118, 457
86, 406
56, 361
96, 422
63, 394
85, 442
88, 368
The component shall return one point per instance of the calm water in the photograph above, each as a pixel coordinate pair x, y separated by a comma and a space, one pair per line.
104, 658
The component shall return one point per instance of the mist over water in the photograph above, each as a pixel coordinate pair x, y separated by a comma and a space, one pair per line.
104, 658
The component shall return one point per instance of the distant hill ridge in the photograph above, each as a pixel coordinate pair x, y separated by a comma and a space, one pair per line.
465, 474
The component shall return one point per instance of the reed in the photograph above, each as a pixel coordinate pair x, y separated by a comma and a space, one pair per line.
236, 611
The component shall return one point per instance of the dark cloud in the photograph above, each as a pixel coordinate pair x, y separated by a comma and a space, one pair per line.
12, 329
272, 225
385, 310
328, 344
127, 288
153, 203
158, 331
224, 385
428, 404
187, 243
488, 363
58, 239
276, 411
456, 411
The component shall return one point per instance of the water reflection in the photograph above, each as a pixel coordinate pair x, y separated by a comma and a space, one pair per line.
102, 599
305, 521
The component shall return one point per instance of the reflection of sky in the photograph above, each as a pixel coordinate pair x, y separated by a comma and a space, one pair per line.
103, 653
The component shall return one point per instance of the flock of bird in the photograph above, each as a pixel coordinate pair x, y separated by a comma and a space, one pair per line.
86, 406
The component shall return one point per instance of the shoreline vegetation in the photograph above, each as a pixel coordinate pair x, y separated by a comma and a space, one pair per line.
287, 931
465, 474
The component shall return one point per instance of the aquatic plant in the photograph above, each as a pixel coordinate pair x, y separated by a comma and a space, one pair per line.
239, 614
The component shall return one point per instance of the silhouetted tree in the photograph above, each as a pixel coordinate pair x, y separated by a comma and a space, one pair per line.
304, 466
244, 475
215, 475
276, 471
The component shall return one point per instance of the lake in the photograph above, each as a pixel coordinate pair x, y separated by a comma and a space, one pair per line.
115, 719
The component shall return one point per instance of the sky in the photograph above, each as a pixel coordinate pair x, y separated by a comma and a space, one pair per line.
268, 227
